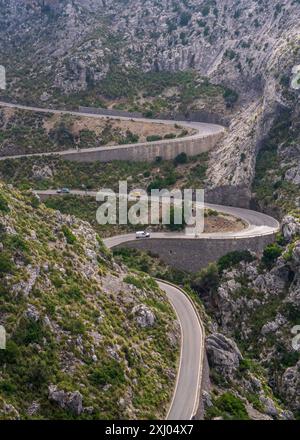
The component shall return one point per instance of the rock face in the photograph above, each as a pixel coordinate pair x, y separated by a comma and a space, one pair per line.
144, 316
290, 227
246, 46
223, 354
290, 386
72, 401
257, 305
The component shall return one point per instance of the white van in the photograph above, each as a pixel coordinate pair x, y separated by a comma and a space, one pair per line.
142, 234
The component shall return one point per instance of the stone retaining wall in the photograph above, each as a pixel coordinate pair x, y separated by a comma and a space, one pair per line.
148, 152
192, 255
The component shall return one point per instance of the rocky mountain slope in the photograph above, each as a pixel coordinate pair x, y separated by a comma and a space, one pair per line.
255, 304
86, 338
89, 51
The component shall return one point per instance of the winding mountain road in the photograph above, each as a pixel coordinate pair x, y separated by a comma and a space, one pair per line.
185, 400
187, 390
257, 223
186, 395
202, 129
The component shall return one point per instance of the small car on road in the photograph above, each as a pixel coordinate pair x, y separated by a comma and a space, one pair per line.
142, 234
63, 191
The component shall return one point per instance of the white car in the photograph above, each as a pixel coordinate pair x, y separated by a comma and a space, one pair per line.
142, 234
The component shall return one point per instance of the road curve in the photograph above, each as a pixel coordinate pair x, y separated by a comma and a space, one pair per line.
185, 400
202, 130
257, 223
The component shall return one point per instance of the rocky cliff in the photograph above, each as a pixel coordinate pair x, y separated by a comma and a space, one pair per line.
74, 48
255, 303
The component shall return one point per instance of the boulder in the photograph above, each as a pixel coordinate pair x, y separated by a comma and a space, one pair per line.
269, 406
293, 175
32, 313
223, 354
290, 227
144, 316
273, 326
71, 401
296, 254
290, 386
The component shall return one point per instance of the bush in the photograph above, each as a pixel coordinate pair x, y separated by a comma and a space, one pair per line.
70, 237
270, 255
16, 243
6, 264
180, 159
170, 136
72, 292
207, 281
153, 138
211, 213
10, 354
230, 97
30, 332
62, 136
74, 326
134, 281
3, 205
234, 258
229, 407
111, 372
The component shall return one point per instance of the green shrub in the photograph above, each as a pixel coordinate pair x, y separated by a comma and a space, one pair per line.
74, 326
3, 204
230, 97
62, 135
16, 243
245, 365
233, 258
70, 237
211, 213
111, 372
174, 213
6, 264
7, 388
207, 281
153, 138
38, 375
10, 354
170, 136
134, 281
30, 331
185, 18
34, 201
181, 159
229, 407
72, 292
270, 255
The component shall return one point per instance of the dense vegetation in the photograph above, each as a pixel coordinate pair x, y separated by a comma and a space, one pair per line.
53, 172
